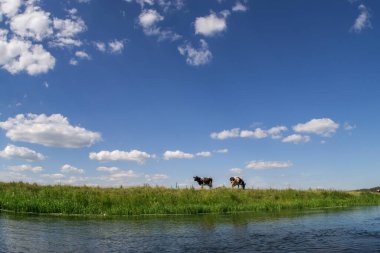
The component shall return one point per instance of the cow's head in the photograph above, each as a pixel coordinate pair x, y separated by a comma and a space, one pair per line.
197, 179
232, 179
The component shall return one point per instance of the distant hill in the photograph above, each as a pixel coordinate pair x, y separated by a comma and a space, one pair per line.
373, 189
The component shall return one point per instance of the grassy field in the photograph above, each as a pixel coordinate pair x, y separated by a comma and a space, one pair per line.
70, 200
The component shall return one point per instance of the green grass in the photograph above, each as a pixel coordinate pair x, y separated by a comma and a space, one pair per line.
70, 200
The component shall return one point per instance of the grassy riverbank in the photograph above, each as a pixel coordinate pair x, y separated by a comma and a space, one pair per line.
69, 200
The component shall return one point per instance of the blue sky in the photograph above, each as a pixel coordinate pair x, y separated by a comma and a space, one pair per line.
127, 92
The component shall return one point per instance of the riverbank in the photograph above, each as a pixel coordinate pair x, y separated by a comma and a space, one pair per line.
72, 200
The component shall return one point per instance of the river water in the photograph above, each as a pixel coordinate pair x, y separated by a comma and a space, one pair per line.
344, 230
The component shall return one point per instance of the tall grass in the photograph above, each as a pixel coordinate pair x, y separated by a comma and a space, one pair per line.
59, 199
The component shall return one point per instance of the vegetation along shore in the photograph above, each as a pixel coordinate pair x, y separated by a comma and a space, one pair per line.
72, 200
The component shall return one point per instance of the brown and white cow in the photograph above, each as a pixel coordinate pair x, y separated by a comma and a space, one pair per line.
203, 181
237, 181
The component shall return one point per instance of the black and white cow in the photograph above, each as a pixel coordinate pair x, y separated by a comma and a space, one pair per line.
203, 181
237, 181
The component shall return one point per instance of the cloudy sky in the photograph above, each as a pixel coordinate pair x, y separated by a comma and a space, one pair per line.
128, 92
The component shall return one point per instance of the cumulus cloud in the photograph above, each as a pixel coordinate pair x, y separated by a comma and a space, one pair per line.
34, 23
71, 169
196, 56
257, 134
263, 165
18, 55
236, 170
119, 175
14, 152
177, 155
204, 154
51, 131
296, 138
55, 176
148, 20
212, 24
107, 169
82, 55
155, 177
9, 8
221, 151
118, 155
363, 20
26, 167
116, 46
324, 127
239, 7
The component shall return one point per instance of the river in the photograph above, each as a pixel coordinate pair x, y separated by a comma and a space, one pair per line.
344, 230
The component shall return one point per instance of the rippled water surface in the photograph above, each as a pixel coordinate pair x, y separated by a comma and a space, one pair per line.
353, 230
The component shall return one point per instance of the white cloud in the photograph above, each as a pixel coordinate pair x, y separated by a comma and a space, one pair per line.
82, 55
54, 176
66, 30
17, 55
101, 46
363, 20
71, 169
177, 155
239, 7
108, 169
14, 152
26, 167
233, 133
348, 127
9, 7
73, 62
263, 165
50, 131
34, 23
212, 24
204, 154
296, 138
116, 46
196, 56
276, 132
156, 177
324, 127
117, 155
119, 175
236, 170
149, 18
221, 151
257, 134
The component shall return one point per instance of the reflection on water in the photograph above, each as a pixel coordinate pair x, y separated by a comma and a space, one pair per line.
350, 230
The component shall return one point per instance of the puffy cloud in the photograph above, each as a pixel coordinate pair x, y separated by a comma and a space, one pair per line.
257, 134
239, 7
66, 30
117, 155
196, 56
107, 169
221, 151
50, 131
263, 165
14, 152
34, 23
177, 155
296, 138
236, 170
101, 46
55, 176
9, 7
119, 175
26, 167
212, 24
71, 169
17, 55
276, 132
233, 133
82, 55
156, 177
116, 46
204, 154
149, 18
363, 20
324, 127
